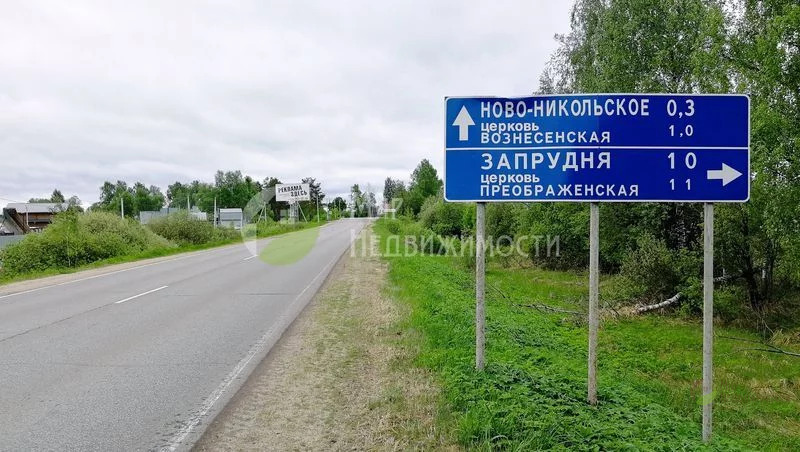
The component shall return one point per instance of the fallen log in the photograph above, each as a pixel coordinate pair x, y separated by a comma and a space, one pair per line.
652, 307
677, 297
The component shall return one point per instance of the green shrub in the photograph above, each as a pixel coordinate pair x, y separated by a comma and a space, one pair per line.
394, 226
77, 239
566, 223
468, 219
425, 240
501, 219
653, 272
183, 229
443, 218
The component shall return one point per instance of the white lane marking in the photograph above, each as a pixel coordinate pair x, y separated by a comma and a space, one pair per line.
251, 257
140, 295
267, 340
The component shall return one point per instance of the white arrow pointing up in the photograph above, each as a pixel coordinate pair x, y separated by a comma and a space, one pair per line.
726, 174
463, 121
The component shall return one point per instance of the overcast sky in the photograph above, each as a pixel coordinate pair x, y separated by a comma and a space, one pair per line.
344, 91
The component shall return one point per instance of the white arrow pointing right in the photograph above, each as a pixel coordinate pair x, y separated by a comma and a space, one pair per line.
726, 174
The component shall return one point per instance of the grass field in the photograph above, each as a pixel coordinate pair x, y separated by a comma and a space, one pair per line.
532, 393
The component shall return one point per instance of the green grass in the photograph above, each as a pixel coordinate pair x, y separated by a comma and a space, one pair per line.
270, 229
274, 230
532, 394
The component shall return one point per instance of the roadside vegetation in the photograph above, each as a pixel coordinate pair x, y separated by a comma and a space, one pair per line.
679, 46
181, 229
75, 239
78, 240
532, 394
270, 228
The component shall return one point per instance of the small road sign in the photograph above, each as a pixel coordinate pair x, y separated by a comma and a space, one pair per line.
604, 147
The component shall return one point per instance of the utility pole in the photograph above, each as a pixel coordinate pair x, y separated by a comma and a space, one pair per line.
318, 218
215, 211
121, 206
188, 206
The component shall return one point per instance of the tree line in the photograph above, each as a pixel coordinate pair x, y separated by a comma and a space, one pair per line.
230, 189
681, 46
702, 46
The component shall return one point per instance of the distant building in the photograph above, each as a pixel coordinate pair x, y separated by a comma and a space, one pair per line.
146, 216
24, 217
233, 218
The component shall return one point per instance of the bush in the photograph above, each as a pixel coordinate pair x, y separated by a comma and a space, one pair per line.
425, 240
186, 230
567, 224
394, 226
501, 219
443, 218
653, 272
77, 239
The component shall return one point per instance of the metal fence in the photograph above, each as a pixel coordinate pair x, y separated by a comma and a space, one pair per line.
6, 240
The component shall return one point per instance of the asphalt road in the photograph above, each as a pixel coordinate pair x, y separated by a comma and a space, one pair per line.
144, 358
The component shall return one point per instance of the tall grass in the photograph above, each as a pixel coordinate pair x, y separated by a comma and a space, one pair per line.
532, 394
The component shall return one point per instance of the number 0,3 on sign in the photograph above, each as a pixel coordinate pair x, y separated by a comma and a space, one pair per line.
605, 147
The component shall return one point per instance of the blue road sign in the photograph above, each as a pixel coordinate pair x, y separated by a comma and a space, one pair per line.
603, 147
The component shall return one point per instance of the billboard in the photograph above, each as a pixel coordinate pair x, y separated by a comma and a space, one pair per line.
292, 192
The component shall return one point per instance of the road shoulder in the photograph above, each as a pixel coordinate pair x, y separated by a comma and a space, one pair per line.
340, 378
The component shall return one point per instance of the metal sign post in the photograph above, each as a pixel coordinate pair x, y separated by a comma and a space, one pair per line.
708, 318
480, 285
594, 293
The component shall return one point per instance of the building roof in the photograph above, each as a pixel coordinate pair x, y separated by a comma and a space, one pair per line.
230, 214
37, 207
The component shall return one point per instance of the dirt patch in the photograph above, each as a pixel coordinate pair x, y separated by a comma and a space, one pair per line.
341, 378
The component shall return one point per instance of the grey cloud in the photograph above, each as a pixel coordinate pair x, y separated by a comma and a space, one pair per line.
348, 91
